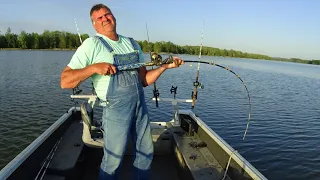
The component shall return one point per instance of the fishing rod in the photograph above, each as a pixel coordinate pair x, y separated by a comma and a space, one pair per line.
78, 30
77, 90
155, 90
197, 84
156, 60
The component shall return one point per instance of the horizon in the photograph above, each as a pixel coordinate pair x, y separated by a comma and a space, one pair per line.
285, 29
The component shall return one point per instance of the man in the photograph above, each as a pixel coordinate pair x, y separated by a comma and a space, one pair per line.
120, 92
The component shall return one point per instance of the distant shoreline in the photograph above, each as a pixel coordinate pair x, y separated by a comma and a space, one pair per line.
67, 49
66, 41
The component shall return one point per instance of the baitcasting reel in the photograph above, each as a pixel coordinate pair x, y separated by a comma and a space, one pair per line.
156, 59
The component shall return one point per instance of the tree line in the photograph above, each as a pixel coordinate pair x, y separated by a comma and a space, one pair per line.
66, 40
169, 47
46, 40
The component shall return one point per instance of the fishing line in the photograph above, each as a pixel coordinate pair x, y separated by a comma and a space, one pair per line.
228, 69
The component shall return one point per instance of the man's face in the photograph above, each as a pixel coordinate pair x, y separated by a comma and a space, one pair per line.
103, 21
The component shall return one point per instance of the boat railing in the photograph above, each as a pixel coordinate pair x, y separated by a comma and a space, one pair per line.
91, 98
174, 102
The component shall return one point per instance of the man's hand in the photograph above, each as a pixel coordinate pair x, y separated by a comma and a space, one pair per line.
104, 69
176, 63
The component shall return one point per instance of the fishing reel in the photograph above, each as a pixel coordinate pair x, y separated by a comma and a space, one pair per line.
156, 59
198, 85
76, 90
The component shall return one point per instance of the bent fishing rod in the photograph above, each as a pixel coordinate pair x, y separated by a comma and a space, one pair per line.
156, 60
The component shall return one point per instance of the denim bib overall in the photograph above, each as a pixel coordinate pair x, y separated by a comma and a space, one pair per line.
125, 115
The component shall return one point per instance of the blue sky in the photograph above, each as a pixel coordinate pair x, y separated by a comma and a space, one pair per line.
279, 28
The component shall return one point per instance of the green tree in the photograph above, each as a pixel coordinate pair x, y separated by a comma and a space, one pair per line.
22, 39
145, 46
157, 47
11, 39
3, 42
35, 41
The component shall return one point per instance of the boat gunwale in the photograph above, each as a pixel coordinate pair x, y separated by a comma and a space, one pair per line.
31, 148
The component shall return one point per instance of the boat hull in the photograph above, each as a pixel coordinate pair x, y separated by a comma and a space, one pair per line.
189, 150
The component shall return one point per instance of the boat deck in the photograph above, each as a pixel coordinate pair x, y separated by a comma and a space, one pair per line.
174, 158
162, 168
190, 151
164, 164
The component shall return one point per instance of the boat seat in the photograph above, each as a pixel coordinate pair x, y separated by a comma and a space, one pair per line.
91, 134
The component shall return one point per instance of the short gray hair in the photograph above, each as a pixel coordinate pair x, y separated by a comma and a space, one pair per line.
97, 7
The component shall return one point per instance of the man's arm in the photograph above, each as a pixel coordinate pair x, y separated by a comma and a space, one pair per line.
71, 78
78, 69
150, 76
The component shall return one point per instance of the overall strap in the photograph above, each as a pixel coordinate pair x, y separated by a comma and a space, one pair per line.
105, 44
134, 44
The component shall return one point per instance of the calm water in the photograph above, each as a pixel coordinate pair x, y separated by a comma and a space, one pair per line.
283, 140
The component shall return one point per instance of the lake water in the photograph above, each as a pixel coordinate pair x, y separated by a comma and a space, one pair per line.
283, 140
